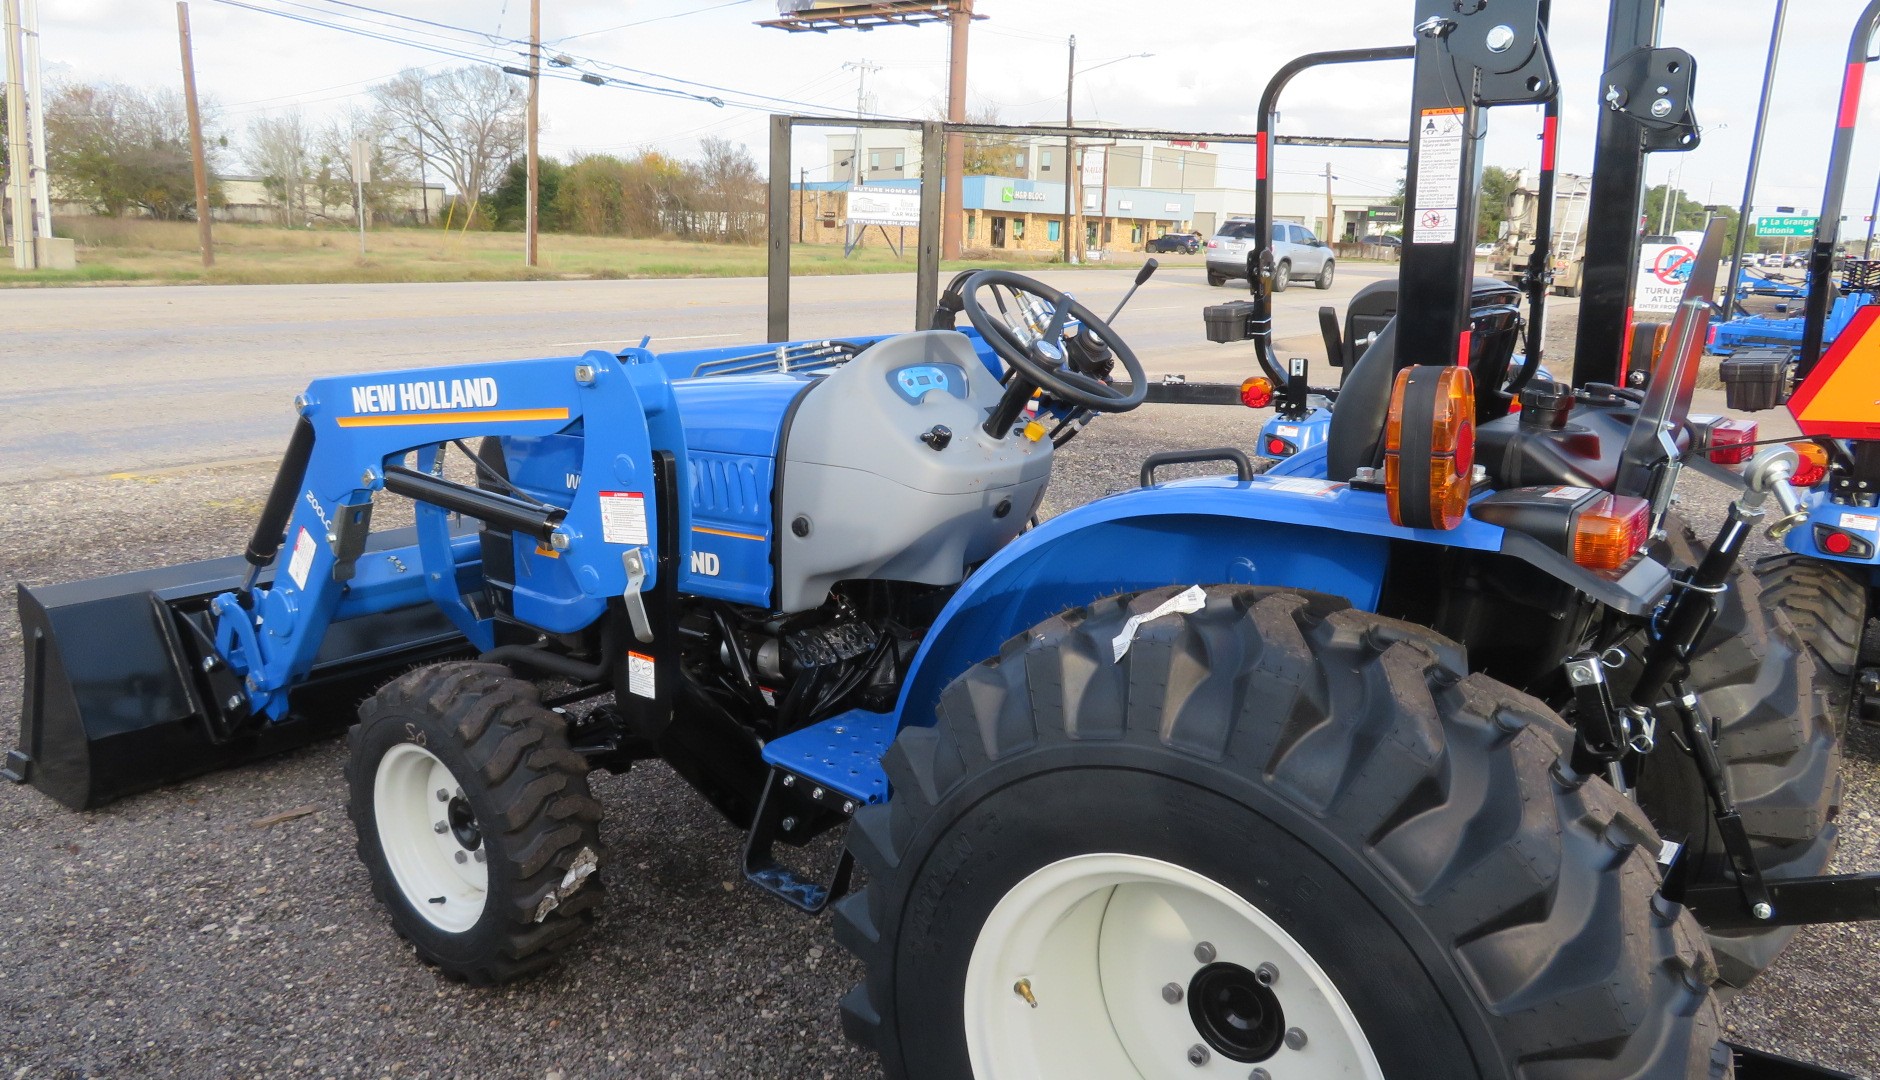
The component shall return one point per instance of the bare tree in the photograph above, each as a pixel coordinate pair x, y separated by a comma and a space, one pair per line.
386, 174
468, 121
120, 148
280, 151
732, 189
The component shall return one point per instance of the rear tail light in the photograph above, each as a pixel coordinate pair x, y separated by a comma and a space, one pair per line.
1256, 393
1811, 466
1731, 441
1429, 446
1609, 531
1213, 244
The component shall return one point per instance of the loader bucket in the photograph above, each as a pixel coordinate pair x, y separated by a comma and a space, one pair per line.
118, 701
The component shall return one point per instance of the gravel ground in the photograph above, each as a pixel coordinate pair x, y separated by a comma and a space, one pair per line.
167, 936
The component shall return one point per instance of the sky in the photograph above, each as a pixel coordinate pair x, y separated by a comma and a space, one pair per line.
1210, 59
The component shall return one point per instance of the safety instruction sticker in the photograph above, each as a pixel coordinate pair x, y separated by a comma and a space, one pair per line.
301, 561
1863, 522
623, 517
1566, 493
640, 674
1300, 485
1439, 176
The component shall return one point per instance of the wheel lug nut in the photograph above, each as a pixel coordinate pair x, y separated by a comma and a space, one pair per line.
480, 857
441, 828
442, 795
1259, 1074
1267, 974
1204, 952
463, 857
1198, 1055
1172, 993
1295, 1039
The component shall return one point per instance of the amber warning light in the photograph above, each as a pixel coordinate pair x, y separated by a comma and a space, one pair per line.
1429, 446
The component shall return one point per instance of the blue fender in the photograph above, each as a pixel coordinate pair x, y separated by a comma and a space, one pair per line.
1295, 532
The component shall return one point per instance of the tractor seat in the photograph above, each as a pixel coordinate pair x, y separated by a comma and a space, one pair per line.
1356, 437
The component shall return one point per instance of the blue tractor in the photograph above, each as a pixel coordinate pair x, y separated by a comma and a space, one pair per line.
1442, 748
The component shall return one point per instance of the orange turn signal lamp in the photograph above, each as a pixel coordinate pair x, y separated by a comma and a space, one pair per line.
1811, 468
1596, 529
1609, 531
1256, 393
1429, 446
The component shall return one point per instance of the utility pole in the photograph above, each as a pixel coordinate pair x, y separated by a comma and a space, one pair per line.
530, 215
362, 172
863, 69
1073, 172
953, 234
1104, 229
204, 237
802, 203
19, 157
1331, 233
1664, 217
36, 118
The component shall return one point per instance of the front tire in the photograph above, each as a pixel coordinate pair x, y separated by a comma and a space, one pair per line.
1085, 860
474, 820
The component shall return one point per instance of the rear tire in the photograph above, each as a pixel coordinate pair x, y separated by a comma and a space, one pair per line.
1282, 277
1829, 610
1422, 866
496, 878
1781, 749
1216, 280
1324, 280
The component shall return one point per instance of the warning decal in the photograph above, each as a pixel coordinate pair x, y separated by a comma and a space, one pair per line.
1841, 397
623, 517
1439, 176
640, 674
302, 559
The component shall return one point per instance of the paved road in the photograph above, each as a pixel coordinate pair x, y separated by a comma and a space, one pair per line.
208, 373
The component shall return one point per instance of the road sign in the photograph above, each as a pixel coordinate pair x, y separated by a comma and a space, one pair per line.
884, 206
1786, 225
1663, 271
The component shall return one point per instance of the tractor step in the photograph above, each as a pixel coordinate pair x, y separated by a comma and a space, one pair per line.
796, 810
841, 755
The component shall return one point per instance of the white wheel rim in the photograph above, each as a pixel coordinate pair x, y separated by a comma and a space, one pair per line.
1095, 939
444, 879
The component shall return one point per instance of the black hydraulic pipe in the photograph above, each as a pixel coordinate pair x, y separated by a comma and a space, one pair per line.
1692, 611
485, 506
1262, 320
1828, 226
272, 528
1540, 278
557, 664
1755, 154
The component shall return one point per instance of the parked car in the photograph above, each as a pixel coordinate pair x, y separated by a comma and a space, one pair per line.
1183, 243
1297, 255
1483, 251
1382, 240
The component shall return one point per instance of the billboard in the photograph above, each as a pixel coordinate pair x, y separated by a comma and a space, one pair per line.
885, 206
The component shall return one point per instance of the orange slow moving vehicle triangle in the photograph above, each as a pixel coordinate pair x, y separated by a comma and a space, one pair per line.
1841, 397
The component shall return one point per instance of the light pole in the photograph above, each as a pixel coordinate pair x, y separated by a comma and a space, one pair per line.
1073, 180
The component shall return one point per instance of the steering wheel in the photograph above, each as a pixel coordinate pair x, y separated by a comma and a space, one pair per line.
1028, 335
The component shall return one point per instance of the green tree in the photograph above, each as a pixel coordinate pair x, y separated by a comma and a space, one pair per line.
120, 148
509, 203
1492, 202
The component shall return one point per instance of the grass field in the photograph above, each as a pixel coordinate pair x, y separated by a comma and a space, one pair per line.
124, 250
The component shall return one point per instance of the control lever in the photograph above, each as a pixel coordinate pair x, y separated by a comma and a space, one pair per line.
1142, 275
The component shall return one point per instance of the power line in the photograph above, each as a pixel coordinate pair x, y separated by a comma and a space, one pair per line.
643, 22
